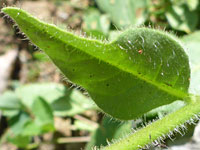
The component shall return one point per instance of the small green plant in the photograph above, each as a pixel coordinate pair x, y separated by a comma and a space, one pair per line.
140, 70
30, 110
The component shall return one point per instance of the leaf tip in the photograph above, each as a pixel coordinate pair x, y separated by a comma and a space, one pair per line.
11, 11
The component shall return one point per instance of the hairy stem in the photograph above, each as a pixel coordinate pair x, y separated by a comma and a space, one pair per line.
159, 129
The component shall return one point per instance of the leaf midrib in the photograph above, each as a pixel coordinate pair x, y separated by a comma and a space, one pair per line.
162, 87
177, 93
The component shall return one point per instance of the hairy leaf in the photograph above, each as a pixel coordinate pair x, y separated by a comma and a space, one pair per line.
160, 129
138, 71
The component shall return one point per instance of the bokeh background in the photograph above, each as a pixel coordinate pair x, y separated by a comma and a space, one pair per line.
41, 110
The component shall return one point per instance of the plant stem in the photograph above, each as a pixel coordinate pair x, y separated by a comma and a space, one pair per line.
158, 129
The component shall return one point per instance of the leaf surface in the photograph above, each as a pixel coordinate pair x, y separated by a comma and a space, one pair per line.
138, 71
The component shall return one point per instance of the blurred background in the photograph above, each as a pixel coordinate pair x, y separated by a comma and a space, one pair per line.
40, 110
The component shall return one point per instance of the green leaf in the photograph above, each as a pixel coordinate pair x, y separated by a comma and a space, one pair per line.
43, 115
108, 130
17, 125
160, 129
48, 91
96, 24
73, 103
140, 70
192, 42
40, 56
81, 125
15, 134
124, 13
192, 4
10, 113
9, 101
31, 128
181, 18
63, 101
20, 140
164, 110
18, 122
113, 34
41, 121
